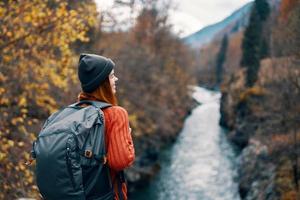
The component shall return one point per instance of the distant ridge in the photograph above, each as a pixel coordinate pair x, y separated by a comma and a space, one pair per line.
234, 23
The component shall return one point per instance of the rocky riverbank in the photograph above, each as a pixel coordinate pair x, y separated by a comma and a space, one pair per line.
256, 174
268, 164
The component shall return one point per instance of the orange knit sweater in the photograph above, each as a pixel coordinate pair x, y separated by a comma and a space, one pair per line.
119, 145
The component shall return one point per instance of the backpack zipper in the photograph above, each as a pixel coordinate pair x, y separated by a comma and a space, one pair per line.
69, 166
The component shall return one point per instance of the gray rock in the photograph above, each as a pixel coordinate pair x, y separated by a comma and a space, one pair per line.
256, 173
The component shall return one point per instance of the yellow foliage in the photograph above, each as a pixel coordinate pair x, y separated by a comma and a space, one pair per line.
133, 120
2, 77
22, 101
17, 120
11, 143
36, 61
2, 156
2, 90
253, 91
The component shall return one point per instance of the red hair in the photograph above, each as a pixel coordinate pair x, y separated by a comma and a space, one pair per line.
102, 93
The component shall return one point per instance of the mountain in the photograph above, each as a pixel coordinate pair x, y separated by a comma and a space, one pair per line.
234, 23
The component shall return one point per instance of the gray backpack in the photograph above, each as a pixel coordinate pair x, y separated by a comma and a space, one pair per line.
70, 155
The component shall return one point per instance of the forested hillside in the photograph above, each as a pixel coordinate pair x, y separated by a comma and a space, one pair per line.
40, 43
257, 70
260, 103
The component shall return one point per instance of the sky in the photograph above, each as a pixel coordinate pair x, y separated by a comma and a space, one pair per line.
189, 16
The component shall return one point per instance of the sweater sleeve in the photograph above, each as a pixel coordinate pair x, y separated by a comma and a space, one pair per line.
120, 149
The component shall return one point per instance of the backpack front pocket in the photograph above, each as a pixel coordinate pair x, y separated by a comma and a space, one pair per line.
73, 164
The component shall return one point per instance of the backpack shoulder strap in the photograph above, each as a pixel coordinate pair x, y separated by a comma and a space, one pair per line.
100, 104
97, 104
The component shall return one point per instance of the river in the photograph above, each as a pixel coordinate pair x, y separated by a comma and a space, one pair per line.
201, 165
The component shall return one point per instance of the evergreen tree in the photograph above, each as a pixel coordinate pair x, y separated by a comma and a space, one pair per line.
254, 45
263, 9
221, 57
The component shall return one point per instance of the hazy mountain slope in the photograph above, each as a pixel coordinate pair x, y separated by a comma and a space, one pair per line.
234, 23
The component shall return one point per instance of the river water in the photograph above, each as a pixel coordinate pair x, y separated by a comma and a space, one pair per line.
201, 163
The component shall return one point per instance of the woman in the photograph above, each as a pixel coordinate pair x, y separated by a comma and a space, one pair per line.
98, 83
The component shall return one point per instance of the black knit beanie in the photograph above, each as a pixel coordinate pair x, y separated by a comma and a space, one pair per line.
92, 71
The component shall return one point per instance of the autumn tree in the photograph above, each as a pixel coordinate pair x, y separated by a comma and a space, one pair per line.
165, 64
36, 74
253, 45
153, 62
